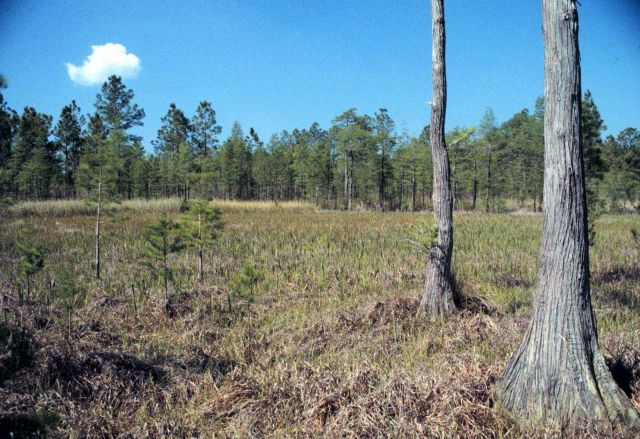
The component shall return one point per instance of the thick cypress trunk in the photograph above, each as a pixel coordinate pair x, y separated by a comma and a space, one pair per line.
558, 373
438, 297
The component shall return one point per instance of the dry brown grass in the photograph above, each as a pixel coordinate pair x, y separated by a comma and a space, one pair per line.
329, 347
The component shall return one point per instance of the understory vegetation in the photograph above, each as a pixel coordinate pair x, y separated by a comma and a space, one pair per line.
304, 324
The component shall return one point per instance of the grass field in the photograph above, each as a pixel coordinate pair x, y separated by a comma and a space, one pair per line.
325, 342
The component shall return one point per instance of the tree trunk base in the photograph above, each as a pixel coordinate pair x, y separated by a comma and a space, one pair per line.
438, 297
582, 392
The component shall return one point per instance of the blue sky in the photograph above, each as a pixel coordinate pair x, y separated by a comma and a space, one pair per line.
278, 65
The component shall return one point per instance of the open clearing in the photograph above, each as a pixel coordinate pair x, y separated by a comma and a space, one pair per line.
325, 342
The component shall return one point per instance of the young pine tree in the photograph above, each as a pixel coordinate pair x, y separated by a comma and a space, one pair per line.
32, 256
163, 238
67, 292
202, 224
98, 173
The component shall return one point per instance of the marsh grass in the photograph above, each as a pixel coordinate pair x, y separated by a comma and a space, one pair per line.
326, 344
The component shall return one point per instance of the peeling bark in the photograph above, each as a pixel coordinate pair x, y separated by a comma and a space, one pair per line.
438, 297
558, 374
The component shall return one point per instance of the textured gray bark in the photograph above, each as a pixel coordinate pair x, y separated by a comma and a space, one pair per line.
558, 373
437, 299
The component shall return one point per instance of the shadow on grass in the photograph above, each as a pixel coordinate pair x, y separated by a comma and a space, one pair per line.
476, 305
616, 274
471, 304
508, 280
612, 287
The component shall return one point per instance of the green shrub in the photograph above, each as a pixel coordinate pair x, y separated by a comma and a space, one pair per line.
244, 283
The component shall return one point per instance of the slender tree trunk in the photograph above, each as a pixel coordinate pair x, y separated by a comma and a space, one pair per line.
97, 256
558, 373
346, 179
438, 298
382, 182
401, 190
350, 180
166, 277
487, 204
200, 258
414, 190
475, 182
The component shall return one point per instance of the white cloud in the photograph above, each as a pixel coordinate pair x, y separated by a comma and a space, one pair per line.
104, 61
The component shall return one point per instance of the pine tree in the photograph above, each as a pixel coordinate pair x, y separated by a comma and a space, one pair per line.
173, 148
205, 131
9, 122
68, 130
115, 107
202, 224
32, 260
385, 142
163, 238
236, 165
33, 163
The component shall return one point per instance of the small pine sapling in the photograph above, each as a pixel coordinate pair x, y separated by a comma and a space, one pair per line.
202, 225
32, 256
67, 291
244, 283
163, 238
102, 177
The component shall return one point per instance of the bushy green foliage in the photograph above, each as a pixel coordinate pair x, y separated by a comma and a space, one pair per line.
163, 238
67, 292
32, 258
244, 282
202, 222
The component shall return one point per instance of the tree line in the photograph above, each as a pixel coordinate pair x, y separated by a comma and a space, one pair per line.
359, 161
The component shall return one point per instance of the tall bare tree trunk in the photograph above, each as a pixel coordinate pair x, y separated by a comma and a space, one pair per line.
346, 181
414, 189
382, 182
558, 373
474, 197
351, 172
487, 203
97, 255
200, 255
438, 298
